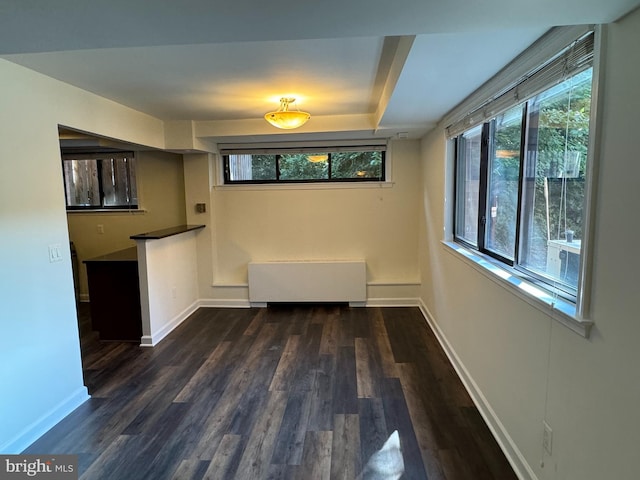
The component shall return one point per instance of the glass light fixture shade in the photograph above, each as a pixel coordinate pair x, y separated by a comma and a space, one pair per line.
285, 118
318, 158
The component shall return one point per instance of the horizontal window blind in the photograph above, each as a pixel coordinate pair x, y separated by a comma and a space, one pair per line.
574, 58
293, 150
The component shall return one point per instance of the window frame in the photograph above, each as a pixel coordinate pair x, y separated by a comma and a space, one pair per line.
99, 157
570, 310
278, 152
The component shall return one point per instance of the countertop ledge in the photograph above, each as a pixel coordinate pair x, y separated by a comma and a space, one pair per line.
165, 232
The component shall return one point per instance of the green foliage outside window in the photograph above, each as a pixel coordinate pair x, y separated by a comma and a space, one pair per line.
298, 167
563, 137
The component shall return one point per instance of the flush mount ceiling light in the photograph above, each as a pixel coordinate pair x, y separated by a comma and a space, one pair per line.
285, 118
318, 158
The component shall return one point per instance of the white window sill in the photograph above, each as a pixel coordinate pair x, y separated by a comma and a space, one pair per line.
108, 211
304, 186
559, 309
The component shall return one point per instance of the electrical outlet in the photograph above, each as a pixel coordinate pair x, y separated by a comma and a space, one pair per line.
100, 229
547, 438
174, 292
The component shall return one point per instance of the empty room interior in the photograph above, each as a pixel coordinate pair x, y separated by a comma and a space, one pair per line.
245, 240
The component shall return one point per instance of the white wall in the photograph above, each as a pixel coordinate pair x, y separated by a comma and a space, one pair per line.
374, 223
198, 183
40, 367
528, 367
168, 269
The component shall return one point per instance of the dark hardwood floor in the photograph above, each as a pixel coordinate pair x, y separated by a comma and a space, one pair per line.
301, 392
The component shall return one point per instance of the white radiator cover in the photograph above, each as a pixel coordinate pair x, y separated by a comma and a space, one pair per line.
308, 281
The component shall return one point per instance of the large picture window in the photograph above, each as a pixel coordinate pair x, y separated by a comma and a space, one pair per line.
520, 189
303, 165
100, 181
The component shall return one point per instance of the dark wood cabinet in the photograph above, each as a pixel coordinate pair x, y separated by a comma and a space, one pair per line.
114, 293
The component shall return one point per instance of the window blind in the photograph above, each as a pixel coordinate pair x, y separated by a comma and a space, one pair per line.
483, 106
311, 149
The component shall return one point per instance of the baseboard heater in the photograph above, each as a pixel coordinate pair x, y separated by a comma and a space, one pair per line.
308, 281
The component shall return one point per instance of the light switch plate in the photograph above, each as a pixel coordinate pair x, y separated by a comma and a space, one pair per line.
55, 252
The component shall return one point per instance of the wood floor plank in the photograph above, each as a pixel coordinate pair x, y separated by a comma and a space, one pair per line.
155, 453
486, 446
316, 461
240, 324
224, 461
405, 333
361, 322
191, 469
299, 319
454, 466
379, 331
398, 418
345, 390
425, 425
204, 375
256, 323
222, 374
308, 360
290, 441
329, 340
346, 330
286, 392
373, 426
105, 358
322, 391
366, 384
345, 450
257, 454
446, 422
432, 465
101, 467
287, 364
164, 392
247, 411
281, 472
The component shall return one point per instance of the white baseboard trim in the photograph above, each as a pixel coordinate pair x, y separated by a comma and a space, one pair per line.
46, 422
509, 448
393, 302
370, 302
153, 339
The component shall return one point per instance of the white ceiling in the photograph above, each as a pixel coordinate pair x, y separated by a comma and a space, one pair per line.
361, 67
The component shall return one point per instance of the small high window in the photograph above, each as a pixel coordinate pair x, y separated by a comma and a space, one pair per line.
339, 164
95, 181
